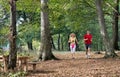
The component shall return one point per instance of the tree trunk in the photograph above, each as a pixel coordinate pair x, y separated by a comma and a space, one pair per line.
24, 16
12, 36
45, 48
58, 41
108, 46
29, 43
62, 44
30, 46
115, 25
101, 45
53, 45
68, 44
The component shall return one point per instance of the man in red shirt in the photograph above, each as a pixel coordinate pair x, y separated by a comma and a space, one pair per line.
88, 42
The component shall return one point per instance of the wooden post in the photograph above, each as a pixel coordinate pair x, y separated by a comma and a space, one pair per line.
5, 63
23, 63
34, 67
25, 67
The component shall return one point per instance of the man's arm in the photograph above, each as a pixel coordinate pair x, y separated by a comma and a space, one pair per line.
85, 38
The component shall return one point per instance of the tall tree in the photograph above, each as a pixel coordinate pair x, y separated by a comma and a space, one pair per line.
45, 48
12, 36
115, 25
108, 46
59, 37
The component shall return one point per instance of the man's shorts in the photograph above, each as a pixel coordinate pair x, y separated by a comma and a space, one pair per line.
88, 46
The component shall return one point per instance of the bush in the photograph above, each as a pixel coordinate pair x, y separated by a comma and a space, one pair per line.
17, 74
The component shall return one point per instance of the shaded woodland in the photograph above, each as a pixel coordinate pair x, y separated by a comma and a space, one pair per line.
33, 26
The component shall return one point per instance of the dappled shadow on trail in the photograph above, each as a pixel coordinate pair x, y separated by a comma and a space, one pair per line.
75, 59
80, 66
41, 71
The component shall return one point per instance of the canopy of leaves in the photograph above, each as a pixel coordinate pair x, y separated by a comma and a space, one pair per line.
65, 16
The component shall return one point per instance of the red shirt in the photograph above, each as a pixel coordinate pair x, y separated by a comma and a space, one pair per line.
89, 38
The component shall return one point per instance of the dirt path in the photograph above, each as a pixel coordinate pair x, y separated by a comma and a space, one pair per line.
78, 67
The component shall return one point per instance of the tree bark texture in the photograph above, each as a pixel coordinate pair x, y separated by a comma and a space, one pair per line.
30, 46
12, 36
115, 25
59, 41
45, 47
52, 42
62, 44
108, 46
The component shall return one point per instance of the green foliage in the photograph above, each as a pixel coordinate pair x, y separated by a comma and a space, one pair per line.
6, 53
24, 53
28, 5
65, 16
5, 3
17, 74
28, 32
29, 29
3, 35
